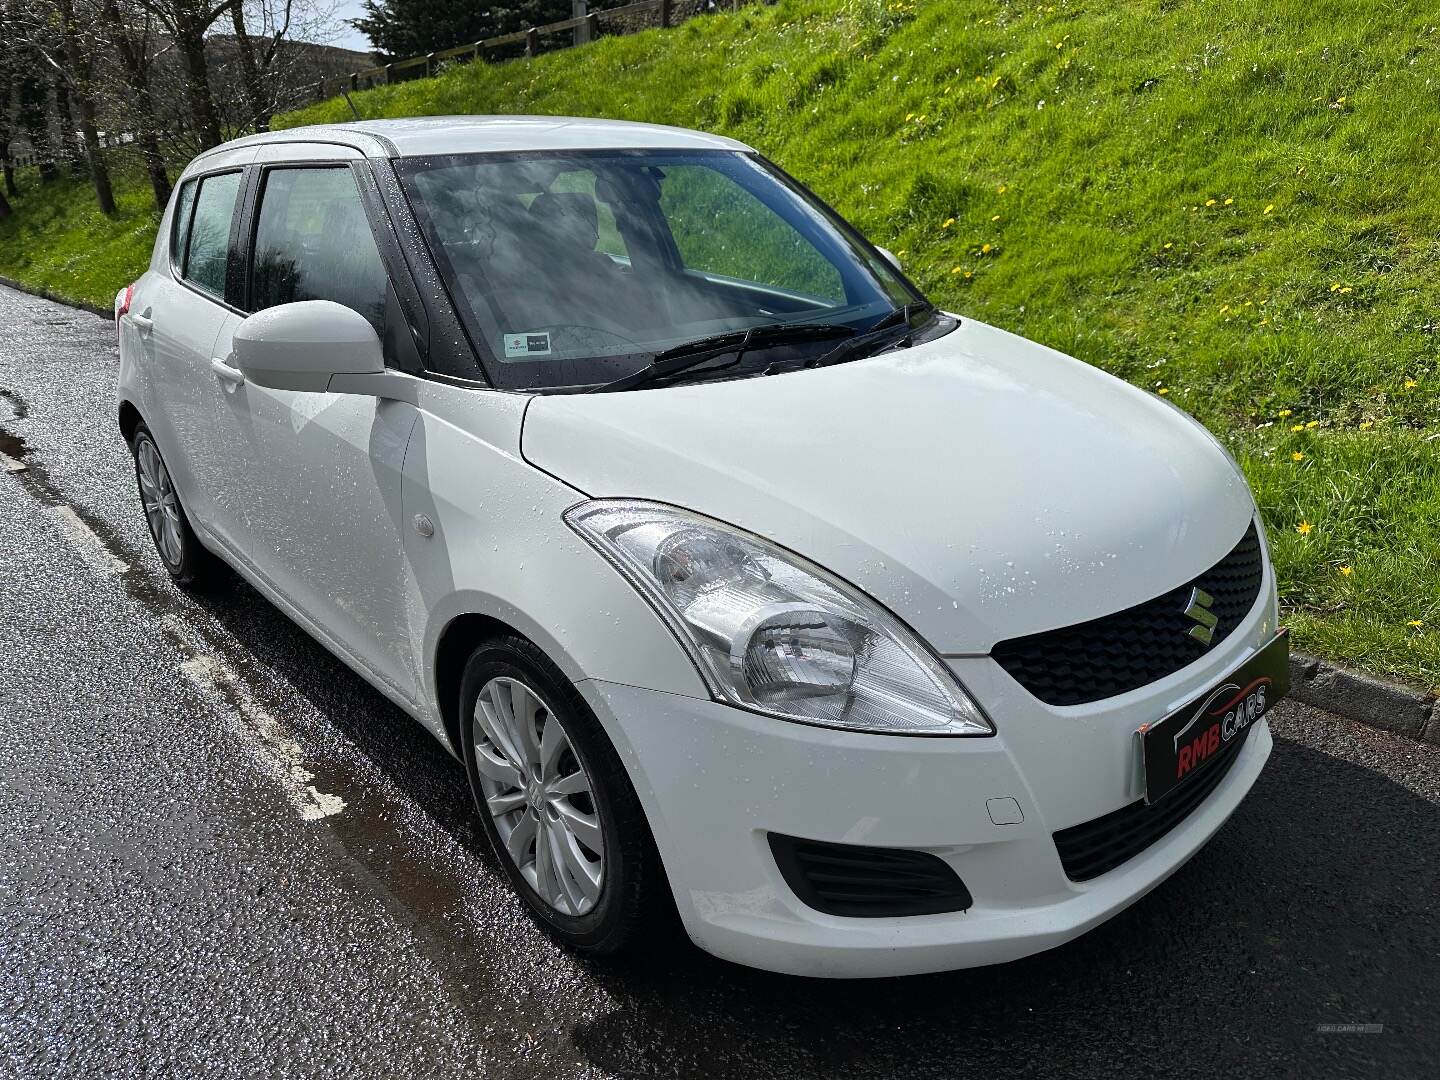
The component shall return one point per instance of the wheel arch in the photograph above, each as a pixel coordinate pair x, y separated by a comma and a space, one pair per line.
461, 636
129, 418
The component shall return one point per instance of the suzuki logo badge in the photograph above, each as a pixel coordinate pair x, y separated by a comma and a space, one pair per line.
1205, 619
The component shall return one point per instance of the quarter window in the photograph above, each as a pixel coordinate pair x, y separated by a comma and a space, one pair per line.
184, 206
210, 232
313, 242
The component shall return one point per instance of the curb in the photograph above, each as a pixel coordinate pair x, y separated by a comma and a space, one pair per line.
1388, 706
1378, 703
46, 294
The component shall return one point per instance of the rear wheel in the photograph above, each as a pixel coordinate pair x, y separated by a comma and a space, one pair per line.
180, 551
555, 802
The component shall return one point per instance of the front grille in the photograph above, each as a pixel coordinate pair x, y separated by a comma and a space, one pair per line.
1096, 847
866, 882
1132, 648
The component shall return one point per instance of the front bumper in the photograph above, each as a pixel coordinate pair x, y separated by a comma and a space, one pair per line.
715, 780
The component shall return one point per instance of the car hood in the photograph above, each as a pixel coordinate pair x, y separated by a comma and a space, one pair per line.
979, 485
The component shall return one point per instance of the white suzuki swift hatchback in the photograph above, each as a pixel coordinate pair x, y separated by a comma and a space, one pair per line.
745, 583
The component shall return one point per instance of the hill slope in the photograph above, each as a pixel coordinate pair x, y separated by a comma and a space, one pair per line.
1230, 203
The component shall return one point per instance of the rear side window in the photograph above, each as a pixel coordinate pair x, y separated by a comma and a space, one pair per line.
313, 242
209, 242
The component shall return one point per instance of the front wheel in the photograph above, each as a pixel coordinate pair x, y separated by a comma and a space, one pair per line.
556, 803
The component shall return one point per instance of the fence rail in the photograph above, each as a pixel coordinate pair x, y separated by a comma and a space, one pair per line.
530, 41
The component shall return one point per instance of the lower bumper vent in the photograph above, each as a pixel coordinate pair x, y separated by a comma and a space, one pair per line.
867, 882
1096, 847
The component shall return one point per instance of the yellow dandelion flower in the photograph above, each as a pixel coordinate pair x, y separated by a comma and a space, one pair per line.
1267, 209
1410, 384
1336, 287
1285, 412
1001, 190
1297, 456
1346, 571
969, 274
1224, 308
947, 223
1416, 623
1346, 289
909, 116
957, 270
1163, 391
1209, 202
1229, 202
984, 249
995, 218
1297, 427
1340, 100
1304, 528
1366, 425
1313, 424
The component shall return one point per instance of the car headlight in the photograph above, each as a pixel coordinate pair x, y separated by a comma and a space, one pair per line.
773, 633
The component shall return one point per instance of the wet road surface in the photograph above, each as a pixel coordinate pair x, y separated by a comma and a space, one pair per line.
222, 854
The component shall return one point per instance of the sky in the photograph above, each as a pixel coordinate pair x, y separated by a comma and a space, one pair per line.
347, 37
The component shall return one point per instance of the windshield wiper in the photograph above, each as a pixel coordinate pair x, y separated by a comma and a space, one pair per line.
691, 354
882, 333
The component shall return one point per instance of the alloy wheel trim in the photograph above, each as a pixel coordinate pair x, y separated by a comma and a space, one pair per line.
539, 796
161, 504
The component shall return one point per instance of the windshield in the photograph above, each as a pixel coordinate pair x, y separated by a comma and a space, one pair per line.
573, 269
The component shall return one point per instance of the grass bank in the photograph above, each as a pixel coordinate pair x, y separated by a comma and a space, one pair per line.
1229, 203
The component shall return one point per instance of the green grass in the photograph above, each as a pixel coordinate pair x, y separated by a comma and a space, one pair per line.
1234, 202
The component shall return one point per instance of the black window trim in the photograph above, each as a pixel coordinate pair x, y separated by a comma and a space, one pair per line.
177, 272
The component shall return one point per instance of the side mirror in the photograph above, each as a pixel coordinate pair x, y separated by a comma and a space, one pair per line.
301, 346
889, 256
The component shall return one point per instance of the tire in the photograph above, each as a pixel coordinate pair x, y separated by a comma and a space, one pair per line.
181, 553
632, 896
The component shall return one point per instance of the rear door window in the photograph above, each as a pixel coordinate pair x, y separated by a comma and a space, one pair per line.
209, 241
313, 242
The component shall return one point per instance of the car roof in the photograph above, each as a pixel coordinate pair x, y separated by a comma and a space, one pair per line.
418, 136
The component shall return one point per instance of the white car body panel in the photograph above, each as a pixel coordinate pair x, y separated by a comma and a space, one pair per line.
979, 486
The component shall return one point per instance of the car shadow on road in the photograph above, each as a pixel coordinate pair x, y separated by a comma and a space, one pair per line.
1316, 904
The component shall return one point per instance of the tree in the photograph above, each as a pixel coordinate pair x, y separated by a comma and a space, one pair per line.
79, 75
53, 34
188, 21
9, 83
128, 33
401, 28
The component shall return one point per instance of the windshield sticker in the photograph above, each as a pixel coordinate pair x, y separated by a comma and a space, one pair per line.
519, 346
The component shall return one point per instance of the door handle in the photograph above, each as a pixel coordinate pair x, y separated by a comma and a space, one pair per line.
223, 371
142, 323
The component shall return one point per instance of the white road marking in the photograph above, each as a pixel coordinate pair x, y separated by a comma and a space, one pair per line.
279, 756
9, 464
87, 545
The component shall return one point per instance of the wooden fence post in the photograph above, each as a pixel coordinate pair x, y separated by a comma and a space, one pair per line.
592, 26
580, 9
532, 41
389, 73
664, 14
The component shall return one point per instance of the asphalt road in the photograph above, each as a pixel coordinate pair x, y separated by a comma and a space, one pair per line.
222, 854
